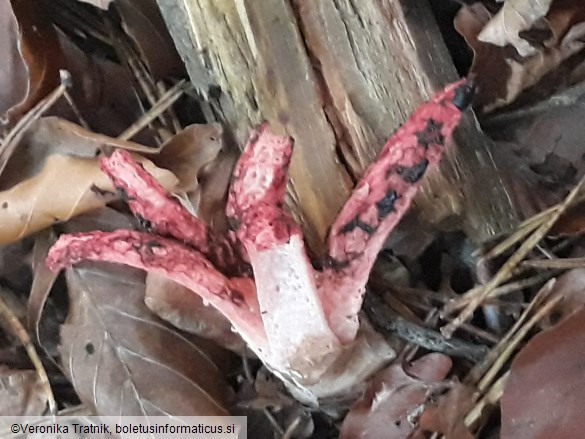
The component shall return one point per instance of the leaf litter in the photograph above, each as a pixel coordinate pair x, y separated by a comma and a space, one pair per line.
112, 338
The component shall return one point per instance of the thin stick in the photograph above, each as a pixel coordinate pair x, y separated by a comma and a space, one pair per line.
511, 287
166, 100
491, 358
288, 434
559, 264
506, 271
521, 232
20, 332
9, 143
490, 398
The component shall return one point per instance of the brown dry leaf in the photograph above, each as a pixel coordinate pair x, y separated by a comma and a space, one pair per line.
188, 152
20, 393
123, 360
395, 399
67, 186
31, 55
512, 19
185, 310
544, 395
53, 135
447, 415
198, 157
500, 77
144, 23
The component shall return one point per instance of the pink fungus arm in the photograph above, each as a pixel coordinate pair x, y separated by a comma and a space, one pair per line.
298, 333
158, 211
379, 201
234, 298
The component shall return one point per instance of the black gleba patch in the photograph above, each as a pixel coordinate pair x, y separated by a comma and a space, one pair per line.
431, 134
414, 173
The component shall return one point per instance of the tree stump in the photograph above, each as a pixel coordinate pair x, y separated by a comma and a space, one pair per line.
339, 76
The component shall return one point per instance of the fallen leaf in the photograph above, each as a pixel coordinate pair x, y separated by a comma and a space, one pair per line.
188, 152
20, 394
545, 392
502, 77
199, 158
512, 19
185, 310
447, 415
54, 135
32, 57
394, 400
65, 187
124, 361
142, 20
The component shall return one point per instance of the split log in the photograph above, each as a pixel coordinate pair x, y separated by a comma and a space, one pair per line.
339, 76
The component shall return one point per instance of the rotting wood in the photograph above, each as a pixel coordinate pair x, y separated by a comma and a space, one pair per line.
339, 76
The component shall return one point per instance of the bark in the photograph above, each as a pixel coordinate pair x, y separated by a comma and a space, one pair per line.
339, 76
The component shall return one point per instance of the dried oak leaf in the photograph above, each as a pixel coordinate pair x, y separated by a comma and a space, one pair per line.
501, 77
65, 187
20, 393
545, 392
515, 17
394, 400
31, 57
124, 361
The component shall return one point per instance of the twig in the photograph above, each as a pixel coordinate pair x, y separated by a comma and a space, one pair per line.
9, 143
166, 100
506, 271
391, 322
511, 287
22, 334
290, 430
559, 263
490, 398
494, 359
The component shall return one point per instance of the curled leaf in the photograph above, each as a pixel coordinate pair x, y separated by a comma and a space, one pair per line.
501, 77
508, 24
66, 186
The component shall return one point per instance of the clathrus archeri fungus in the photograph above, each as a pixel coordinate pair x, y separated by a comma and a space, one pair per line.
295, 318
